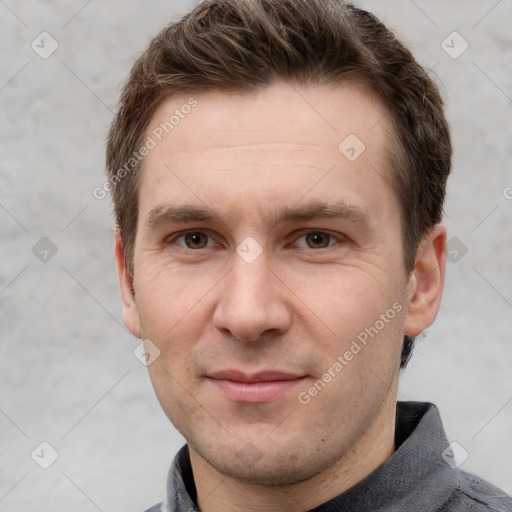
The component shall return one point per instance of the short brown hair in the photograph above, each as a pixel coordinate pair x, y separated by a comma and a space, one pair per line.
245, 45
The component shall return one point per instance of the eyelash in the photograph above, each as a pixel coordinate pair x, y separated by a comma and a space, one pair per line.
333, 238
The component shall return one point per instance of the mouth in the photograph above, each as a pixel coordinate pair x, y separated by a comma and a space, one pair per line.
260, 387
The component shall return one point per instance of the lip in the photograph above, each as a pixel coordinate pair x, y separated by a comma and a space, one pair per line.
258, 387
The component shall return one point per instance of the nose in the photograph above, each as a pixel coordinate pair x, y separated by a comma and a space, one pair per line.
252, 302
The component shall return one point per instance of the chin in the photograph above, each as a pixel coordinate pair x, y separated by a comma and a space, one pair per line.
269, 465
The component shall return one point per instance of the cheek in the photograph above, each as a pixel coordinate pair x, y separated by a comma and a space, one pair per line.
364, 316
175, 308
167, 297
346, 299
174, 390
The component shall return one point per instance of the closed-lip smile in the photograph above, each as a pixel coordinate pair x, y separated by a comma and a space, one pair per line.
259, 387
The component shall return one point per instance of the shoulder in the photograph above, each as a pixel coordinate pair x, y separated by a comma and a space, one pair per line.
473, 494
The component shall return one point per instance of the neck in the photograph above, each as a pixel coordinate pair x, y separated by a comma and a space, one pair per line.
218, 493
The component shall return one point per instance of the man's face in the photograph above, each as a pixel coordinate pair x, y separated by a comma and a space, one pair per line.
263, 247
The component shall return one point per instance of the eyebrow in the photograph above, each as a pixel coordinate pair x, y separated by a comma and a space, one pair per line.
178, 214
169, 214
319, 210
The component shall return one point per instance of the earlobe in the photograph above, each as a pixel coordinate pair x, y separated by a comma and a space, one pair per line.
426, 282
130, 312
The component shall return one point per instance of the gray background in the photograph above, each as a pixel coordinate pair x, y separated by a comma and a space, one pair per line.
67, 372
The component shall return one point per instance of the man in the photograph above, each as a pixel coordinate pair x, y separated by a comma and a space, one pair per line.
278, 170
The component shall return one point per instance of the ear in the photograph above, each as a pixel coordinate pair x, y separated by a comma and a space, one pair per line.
426, 282
130, 312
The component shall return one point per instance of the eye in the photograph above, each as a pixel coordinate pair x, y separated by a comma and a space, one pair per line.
193, 240
316, 240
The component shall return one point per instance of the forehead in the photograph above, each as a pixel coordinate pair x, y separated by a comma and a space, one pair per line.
281, 111
273, 145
